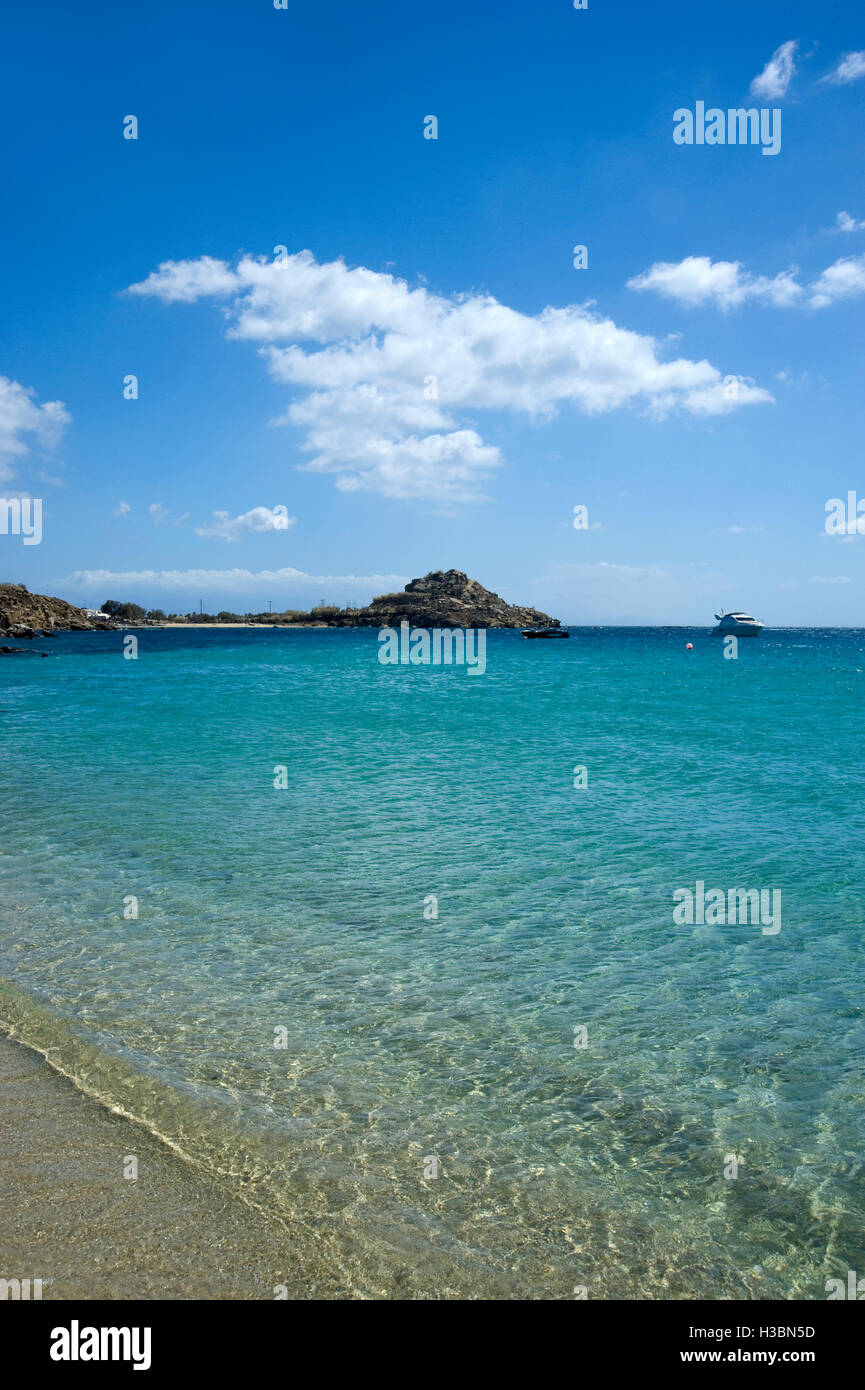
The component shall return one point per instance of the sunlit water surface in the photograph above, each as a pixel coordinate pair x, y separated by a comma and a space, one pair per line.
410, 1043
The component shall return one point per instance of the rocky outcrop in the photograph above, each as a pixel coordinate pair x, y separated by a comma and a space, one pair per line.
22, 614
442, 598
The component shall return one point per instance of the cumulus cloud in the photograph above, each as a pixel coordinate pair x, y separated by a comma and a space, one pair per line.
121, 509
773, 81
182, 282
846, 223
21, 417
842, 280
385, 376
699, 280
233, 580
848, 69
225, 527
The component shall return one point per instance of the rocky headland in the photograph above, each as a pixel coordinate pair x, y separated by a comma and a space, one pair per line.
24, 615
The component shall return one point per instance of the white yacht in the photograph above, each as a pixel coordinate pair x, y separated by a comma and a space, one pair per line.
737, 625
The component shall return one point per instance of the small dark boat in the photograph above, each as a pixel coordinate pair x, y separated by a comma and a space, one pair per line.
545, 632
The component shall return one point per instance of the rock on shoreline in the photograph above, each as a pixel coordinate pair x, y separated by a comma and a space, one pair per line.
442, 598
23, 614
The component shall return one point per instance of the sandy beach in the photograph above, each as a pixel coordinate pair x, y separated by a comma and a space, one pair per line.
70, 1218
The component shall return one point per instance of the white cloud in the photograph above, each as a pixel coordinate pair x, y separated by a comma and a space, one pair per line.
848, 69
19, 417
185, 281
161, 516
699, 280
773, 81
846, 223
842, 280
233, 580
629, 571
225, 527
371, 411
121, 509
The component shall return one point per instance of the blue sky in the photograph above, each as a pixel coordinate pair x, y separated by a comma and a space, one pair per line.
449, 258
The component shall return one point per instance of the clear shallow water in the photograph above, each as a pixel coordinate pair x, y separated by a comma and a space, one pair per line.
408, 1038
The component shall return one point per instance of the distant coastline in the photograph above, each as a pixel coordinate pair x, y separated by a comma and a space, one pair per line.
442, 598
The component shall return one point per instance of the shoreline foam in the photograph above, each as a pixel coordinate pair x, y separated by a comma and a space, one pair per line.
70, 1218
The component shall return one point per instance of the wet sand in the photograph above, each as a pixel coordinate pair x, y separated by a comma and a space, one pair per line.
69, 1217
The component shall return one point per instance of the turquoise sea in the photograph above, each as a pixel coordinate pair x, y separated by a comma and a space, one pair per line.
426, 1126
